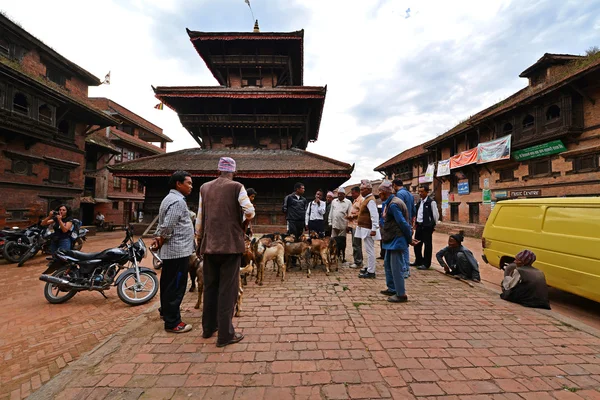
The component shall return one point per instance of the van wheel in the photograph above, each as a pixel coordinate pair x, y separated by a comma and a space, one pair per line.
504, 261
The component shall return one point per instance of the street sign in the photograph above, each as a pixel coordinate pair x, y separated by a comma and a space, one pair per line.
463, 188
545, 149
500, 194
525, 193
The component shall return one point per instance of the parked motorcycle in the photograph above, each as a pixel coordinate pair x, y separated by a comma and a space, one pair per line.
71, 271
18, 241
41, 239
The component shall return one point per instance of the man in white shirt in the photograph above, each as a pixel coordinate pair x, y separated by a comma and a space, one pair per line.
368, 227
427, 218
314, 214
340, 209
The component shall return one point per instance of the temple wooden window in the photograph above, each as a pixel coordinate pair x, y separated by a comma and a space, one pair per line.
586, 163
474, 213
21, 104
45, 114
528, 121
128, 129
116, 183
252, 81
54, 75
473, 180
472, 142
552, 113
65, 129
16, 215
115, 205
507, 128
130, 155
58, 175
454, 212
129, 185
540, 167
21, 167
2, 95
140, 187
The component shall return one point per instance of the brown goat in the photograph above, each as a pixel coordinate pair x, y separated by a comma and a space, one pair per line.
298, 249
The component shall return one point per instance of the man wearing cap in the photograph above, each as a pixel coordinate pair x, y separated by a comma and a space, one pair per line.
523, 284
457, 260
396, 236
224, 210
340, 208
357, 254
175, 244
368, 227
294, 207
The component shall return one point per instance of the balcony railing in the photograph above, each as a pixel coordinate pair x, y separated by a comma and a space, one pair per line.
242, 119
264, 60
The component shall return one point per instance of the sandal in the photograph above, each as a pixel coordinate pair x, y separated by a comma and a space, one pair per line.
236, 338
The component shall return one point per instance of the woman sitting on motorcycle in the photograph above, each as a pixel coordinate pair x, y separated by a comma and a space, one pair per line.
60, 221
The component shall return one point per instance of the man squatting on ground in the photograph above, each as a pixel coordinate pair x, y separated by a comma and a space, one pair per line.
457, 260
523, 284
175, 242
396, 235
368, 227
223, 209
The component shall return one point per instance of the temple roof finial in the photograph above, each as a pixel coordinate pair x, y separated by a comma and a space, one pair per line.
256, 28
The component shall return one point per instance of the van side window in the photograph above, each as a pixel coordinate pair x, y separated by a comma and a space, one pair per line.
573, 221
519, 217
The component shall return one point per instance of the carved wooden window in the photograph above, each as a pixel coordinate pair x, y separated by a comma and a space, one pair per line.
2, 96
140, 187
65, 129
55, 75
16, 215
4, 47
540, 167
507, 128
21, 104
528, 121
473, 180
58, 175
45, 114
115, 205
586, 163
21, 167
507, 174
552, 113
129, 185
116, 183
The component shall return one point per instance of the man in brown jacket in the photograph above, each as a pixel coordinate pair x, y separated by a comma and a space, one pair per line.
223, 208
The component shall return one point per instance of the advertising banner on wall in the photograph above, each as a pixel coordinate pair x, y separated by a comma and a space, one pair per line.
429, 173
464, 158
545, 149
443, 168
494, 150
463, 187
486, 196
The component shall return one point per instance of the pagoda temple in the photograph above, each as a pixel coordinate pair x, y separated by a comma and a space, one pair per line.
261, 115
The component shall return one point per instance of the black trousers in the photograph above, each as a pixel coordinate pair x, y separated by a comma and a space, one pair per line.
425, 235
173, 283
295, 228
221, 286
317, 225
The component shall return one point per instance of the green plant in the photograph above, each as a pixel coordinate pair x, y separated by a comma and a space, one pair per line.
570, 389
345, 288
357, 305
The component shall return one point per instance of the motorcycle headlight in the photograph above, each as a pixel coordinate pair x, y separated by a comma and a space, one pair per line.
141, 249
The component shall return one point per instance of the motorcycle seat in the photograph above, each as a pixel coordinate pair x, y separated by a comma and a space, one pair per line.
79, 255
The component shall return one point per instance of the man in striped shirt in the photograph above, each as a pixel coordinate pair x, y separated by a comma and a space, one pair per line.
175, 241
223, 211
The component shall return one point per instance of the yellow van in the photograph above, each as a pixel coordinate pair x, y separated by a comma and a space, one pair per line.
564, 234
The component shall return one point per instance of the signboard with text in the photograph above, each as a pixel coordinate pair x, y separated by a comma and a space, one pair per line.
494, 150
541, 150
463, 188
525, 193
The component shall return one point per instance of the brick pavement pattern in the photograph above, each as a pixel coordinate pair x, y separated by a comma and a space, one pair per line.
336, 337
38, 339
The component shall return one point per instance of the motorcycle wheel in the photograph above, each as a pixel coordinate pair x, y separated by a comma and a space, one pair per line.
31, 252
135, 293
53, 293
77, 244
156, 264
12, 252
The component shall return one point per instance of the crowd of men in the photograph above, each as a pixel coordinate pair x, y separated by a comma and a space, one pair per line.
225, 210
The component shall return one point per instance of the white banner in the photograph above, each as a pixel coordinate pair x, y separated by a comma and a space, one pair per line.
429, 173
443, 168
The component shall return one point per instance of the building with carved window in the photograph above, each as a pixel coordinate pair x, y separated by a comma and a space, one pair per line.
554, 129
44, 119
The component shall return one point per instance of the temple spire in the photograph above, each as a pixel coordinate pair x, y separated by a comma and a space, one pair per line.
256, 28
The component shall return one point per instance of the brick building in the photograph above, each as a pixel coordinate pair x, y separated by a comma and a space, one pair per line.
44, 119
119, 200
553, 132
261, 115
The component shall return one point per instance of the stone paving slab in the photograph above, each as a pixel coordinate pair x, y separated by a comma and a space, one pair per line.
336, 337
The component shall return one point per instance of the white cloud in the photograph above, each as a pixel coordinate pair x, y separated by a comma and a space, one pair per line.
388, 76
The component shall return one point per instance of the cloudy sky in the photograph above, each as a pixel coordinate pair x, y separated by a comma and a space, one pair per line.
398, 72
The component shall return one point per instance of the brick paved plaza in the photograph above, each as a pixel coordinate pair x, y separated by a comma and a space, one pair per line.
336, 337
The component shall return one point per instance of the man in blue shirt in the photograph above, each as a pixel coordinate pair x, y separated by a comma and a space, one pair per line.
409, 200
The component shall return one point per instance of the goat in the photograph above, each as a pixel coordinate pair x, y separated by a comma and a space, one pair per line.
297, 249
248, 258
273, 253
320, 247
238, 304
